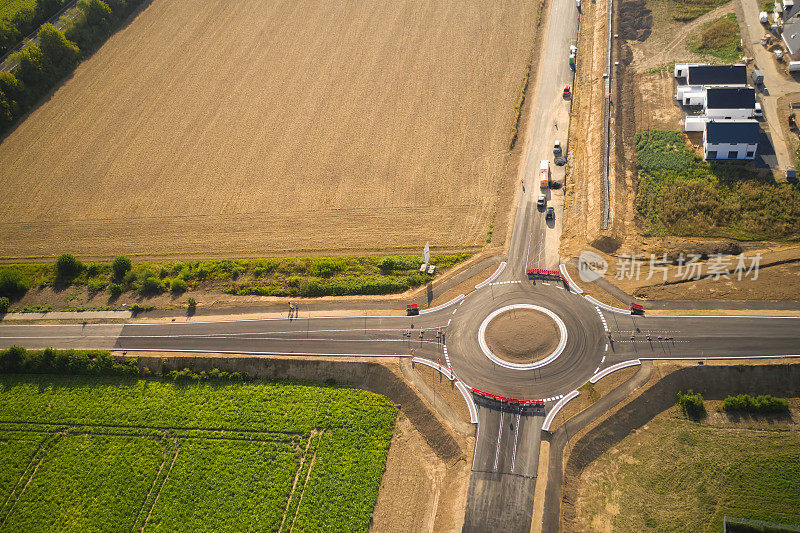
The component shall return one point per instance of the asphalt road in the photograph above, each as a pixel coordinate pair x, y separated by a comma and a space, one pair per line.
504, 468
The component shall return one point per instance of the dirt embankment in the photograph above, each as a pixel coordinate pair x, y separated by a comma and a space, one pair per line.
425, 484
714, 382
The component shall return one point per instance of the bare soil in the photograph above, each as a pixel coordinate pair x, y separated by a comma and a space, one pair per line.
246, 127
445, 390
583, 194
418, 489
589, 394
522, 335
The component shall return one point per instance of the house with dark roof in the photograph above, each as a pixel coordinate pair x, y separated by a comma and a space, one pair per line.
730, 75
731, 139
787, 15
730, 102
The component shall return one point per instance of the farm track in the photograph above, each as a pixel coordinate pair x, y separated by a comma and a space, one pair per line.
358, 126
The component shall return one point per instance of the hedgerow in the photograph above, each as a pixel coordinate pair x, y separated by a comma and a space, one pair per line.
304, 276
42, 66
758, 404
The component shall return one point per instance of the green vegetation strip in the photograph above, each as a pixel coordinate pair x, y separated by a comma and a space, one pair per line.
720, 38
680, 194
678, 475
306, 276
686, 10
105, 453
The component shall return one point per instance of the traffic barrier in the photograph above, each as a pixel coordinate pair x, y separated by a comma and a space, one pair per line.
613, 368
493, 277
568, 279
542, 273
556, 408
465, 392
525, 403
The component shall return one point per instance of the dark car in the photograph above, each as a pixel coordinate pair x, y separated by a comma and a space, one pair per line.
550, 214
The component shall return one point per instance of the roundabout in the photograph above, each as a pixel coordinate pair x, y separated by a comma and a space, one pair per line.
522, 336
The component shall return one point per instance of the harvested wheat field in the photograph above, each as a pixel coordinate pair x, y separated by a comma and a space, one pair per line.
234, 127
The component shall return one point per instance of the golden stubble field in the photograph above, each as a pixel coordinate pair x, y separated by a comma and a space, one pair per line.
231, 127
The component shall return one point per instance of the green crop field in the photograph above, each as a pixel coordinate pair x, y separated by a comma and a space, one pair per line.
84, 453
678, 475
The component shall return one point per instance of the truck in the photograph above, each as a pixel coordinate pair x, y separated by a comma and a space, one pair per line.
544, 174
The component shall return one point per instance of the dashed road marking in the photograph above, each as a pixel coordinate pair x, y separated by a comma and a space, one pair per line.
450, 319
505, 282
602, 318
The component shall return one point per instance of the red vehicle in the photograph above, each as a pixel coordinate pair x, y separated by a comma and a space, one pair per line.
637, 309
567, 92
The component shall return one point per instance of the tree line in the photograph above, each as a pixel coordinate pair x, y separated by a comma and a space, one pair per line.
42, 66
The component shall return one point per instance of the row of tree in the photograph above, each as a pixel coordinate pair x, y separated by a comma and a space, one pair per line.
42, 66
26, 19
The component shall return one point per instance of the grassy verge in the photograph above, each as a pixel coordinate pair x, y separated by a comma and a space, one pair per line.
679, 475
684, 11
680, 194
720, 38
304, 277
98, 451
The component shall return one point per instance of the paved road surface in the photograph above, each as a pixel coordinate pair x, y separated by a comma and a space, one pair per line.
505, 460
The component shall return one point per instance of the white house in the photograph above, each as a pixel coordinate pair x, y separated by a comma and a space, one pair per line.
729, 102
691, 95
731, 139
695, 123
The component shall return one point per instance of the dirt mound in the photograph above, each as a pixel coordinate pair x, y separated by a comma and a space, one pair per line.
522, 335
635, 21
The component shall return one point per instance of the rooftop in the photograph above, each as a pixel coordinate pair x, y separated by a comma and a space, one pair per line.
717, 75
732, 132
730, 98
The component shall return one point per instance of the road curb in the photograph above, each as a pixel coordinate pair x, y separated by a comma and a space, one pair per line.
556, 408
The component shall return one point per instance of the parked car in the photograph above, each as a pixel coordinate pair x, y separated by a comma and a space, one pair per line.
757, 112
557, 149
541, 202
567, 92
578, 4
551, 214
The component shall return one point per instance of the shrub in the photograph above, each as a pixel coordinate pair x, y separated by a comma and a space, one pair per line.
759, 404
692, 403
11, 359
151, 286
326, 267
95, 285
192, 303
67, 267
4, 304
115, 289
92, 269
121, 266
13, 283
179, 285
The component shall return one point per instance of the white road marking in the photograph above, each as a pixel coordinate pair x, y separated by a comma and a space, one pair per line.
499, 435
516, 436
